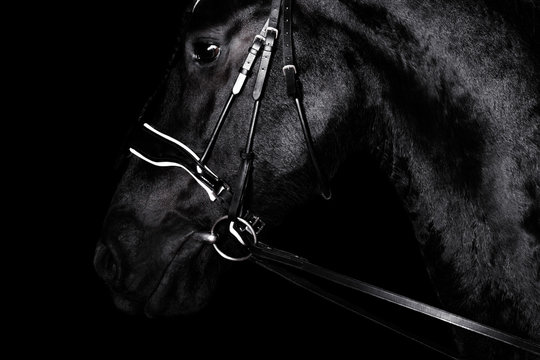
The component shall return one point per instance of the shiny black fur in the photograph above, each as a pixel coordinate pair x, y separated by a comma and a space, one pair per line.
443, 94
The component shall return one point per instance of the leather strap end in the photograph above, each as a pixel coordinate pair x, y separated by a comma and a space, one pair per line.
290, 80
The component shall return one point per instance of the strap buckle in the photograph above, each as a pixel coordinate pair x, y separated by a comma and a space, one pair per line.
287, 67
274, 30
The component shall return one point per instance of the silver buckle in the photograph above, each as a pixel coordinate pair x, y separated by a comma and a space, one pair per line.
289, 67
271, 28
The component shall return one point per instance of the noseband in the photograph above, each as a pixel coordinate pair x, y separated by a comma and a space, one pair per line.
159, 149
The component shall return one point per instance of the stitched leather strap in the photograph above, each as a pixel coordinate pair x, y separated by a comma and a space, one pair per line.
264, 68
245, 71
289, 68
244, 173
310, 286
271, 37
294, 90
243, 179
268, 257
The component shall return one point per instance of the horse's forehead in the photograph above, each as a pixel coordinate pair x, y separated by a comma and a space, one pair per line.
210, 10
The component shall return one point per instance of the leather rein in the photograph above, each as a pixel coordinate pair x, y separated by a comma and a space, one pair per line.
160, 149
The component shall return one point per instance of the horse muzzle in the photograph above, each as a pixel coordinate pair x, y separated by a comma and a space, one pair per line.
160, 274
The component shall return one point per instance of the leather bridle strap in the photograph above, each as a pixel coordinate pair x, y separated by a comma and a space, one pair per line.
354, 308
244, 173
294, 90
244, 73
277, 261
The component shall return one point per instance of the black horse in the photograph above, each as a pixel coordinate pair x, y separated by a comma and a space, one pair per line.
442, 95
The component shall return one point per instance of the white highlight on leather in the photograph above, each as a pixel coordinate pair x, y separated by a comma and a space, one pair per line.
165, 136
239, 84
181, 144
210, 192
195, 5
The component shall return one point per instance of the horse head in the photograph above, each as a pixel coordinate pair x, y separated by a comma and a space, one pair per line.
443, 96
149, 253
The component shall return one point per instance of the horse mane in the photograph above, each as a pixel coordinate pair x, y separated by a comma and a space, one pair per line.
524, 15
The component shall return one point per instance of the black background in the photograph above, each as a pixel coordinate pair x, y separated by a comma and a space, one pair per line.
99, 64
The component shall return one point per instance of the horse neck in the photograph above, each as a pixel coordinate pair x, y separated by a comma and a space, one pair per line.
446, 103
451, 112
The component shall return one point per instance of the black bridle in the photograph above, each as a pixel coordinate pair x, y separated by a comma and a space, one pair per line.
160, 149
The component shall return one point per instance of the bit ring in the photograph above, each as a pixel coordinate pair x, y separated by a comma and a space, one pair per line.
236, 235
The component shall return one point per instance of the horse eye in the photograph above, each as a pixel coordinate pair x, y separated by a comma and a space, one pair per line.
205, 53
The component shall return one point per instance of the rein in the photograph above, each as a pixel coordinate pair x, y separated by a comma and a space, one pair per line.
281, 263
160, 149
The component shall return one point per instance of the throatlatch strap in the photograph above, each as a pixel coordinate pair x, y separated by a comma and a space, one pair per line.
289, 69
294, 90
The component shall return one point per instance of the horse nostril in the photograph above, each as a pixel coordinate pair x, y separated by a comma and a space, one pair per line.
105, 263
